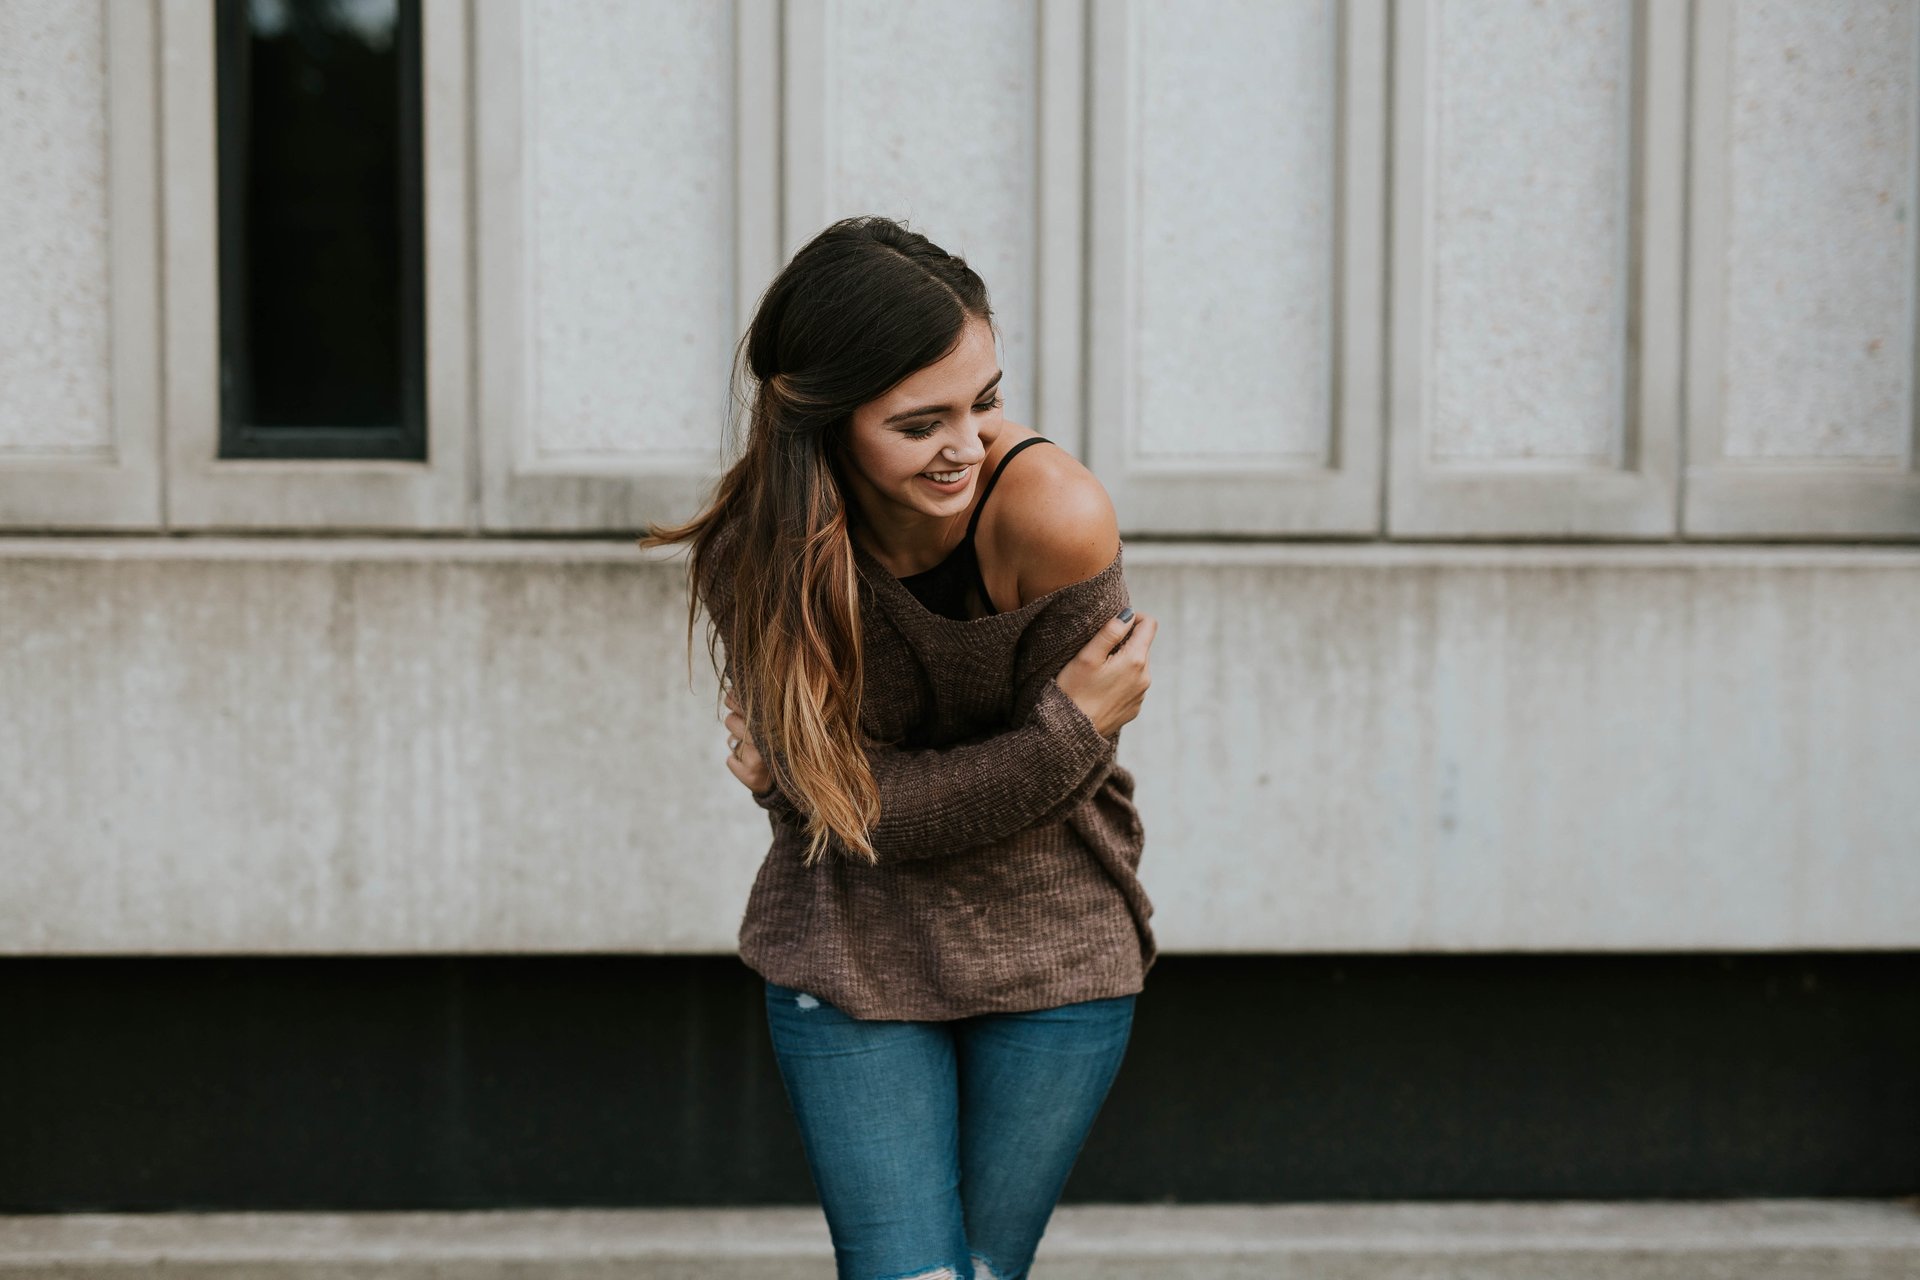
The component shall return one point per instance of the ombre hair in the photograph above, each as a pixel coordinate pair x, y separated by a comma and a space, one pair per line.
862, 306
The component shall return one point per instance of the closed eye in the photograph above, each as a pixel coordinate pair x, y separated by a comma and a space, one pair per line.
921, 433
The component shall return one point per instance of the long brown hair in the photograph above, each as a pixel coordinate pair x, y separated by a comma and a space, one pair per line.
862, 306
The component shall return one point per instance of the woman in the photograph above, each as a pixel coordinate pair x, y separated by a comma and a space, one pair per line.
925, 693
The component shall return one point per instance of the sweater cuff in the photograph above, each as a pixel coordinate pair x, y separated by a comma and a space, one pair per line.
774, 801
1081, 744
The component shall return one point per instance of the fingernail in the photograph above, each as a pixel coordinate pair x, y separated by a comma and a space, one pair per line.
1126, 613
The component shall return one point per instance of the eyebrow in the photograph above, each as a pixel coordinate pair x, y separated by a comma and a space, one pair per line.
941, 408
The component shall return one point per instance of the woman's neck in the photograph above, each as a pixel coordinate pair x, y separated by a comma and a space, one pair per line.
904, 560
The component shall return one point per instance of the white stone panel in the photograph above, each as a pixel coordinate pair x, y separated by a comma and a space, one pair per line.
1820, 232
55, 278
1237, 112
932, 119
629, 146
1530, 172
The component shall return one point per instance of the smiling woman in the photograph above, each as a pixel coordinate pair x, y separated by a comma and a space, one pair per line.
910, 510
949, 905
899, 458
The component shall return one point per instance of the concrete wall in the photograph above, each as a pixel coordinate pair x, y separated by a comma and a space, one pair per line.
1519, 313
1432, 269
366, 746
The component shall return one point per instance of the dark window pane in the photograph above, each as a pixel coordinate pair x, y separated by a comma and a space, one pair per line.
321, 324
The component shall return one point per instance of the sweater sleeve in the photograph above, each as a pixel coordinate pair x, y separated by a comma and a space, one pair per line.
946, 800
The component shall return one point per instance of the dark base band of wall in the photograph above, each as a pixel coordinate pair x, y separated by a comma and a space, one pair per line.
137, 1084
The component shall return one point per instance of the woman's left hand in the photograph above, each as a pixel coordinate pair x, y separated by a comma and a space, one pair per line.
744, 759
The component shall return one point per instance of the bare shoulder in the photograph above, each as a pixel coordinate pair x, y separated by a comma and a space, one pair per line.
1052, 525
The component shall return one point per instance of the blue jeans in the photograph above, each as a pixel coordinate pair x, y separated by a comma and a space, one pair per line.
940, 1148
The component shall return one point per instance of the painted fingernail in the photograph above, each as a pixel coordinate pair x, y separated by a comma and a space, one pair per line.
1126, 613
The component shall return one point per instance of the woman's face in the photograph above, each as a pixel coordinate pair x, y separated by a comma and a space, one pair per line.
938, 419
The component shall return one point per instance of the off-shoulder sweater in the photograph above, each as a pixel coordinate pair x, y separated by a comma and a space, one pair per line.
1008, 840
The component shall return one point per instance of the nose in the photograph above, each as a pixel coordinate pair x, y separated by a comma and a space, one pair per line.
964, 459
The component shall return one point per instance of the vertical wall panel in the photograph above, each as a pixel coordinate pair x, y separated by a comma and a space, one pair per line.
1531, 231
54, 392
78, 358
940, 132
1237, 154
627, 206
1820, 210
1237, 184
1536, 236
1803, 414
629, 223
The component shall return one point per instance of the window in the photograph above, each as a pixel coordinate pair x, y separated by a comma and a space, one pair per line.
316, 257
321, 325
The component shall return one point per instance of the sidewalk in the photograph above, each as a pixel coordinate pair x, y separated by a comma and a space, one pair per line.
1652, 1240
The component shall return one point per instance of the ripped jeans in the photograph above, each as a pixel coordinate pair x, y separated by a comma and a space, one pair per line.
939, 1149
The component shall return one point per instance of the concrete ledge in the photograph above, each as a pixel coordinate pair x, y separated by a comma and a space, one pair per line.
1695, 1240
429, 746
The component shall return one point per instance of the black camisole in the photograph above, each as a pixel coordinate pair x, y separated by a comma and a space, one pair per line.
944, 588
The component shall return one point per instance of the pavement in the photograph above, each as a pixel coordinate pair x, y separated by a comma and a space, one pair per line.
1800, 1239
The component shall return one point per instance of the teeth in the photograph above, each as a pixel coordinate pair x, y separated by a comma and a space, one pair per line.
945, 477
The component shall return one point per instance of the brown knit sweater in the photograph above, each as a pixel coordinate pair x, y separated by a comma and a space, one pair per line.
1008, 838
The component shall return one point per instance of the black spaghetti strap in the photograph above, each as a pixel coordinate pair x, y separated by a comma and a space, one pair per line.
994, 479
979, 577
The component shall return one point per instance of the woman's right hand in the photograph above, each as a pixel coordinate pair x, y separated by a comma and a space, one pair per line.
1108, 679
